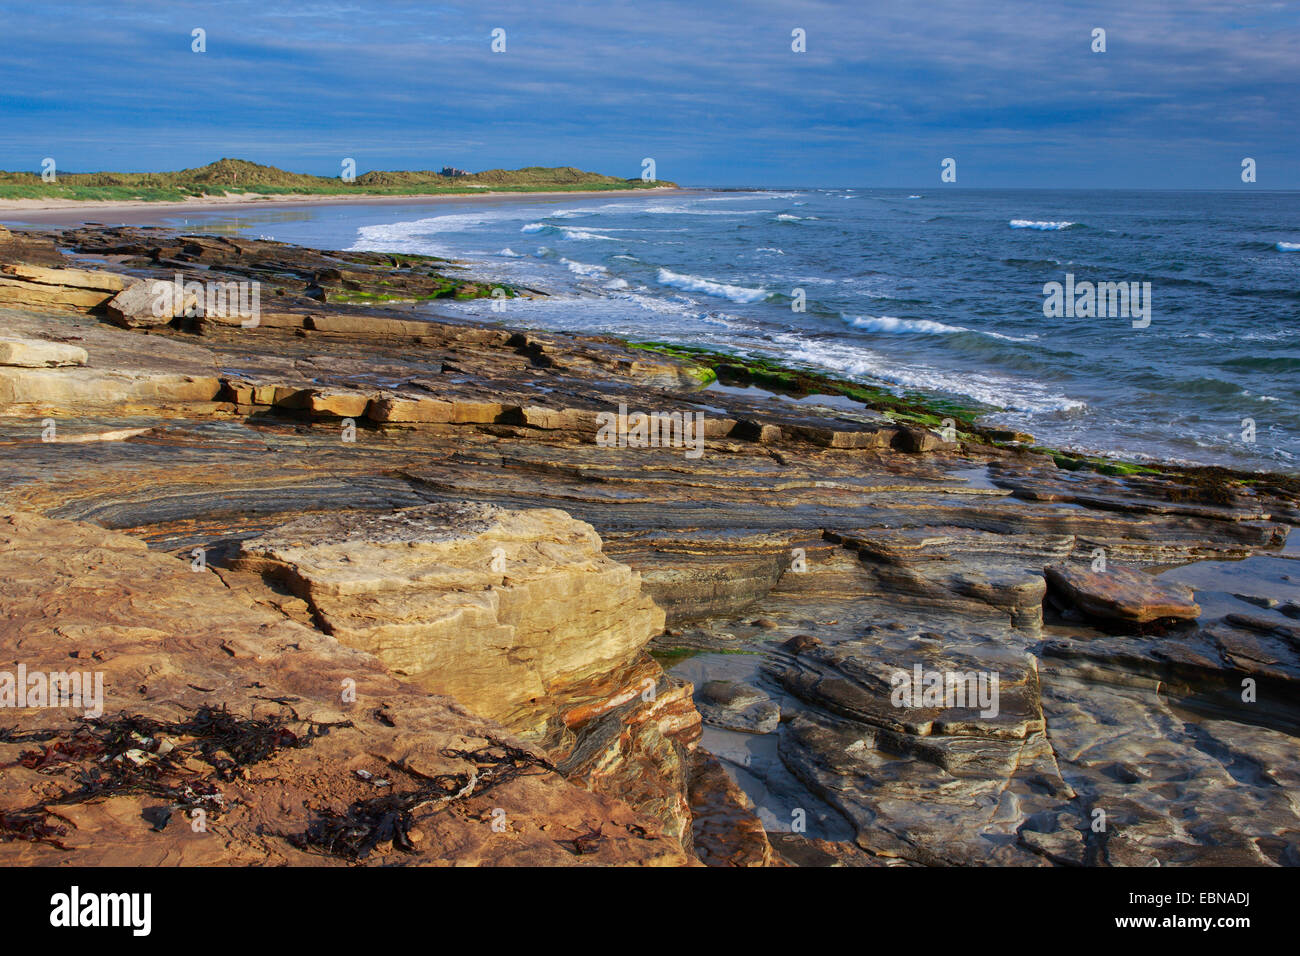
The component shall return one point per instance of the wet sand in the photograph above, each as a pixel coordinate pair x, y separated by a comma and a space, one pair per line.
66, 212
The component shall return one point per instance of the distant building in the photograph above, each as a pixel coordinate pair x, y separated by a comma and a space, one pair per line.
453, 171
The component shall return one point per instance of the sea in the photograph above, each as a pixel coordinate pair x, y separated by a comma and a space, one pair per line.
945, 292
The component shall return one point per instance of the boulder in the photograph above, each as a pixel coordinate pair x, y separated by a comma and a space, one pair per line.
496, 608
135, 306
736, 706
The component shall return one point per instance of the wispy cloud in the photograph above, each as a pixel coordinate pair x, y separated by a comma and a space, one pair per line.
711, 90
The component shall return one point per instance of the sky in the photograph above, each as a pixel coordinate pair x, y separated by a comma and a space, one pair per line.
712, 92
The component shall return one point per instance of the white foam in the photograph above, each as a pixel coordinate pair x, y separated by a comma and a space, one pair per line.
888, 323
1046, 225
584, 269
1288, 247
687, 209
564, 232
991, 390
582, 235
736, 293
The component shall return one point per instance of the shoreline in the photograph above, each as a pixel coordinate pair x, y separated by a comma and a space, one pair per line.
63, 211
935, 404
759, 587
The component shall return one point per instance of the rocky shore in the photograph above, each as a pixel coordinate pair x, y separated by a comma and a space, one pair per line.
368, 585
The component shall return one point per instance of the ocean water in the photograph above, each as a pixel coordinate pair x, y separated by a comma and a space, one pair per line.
939, 291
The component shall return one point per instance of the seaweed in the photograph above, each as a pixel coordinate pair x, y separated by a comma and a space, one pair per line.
133, 754
33, 826
354, 833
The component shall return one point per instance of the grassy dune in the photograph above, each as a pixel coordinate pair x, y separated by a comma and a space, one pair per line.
241, 176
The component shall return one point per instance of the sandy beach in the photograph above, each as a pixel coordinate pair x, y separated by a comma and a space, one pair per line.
68, 211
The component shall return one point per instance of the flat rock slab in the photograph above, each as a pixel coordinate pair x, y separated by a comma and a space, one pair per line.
73, 278
38, 353
1121, 594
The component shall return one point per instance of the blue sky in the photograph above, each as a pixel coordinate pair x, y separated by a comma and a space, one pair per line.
712, 91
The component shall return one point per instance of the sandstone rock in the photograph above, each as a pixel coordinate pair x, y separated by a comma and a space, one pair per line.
18, 247
167, 640
918, 440
38, 353
338, 404
91, 387
726, 830
74, 278
492, 607
637, 750
366, 325
398, 410
578, 421
35, 295
1121, 595
134, 307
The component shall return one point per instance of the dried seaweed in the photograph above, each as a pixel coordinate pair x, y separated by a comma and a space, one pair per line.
133, 754
31, 825
357, 831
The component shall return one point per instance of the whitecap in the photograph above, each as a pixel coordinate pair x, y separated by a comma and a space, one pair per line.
892, 325
690, 283
584, 269
582, 235
888, 323
1045, 225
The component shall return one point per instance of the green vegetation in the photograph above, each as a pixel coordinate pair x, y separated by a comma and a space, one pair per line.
446, 288
1105, 466
1205, 485
915, 409
240, 176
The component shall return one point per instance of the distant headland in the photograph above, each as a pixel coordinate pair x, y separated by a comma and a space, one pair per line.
227, 178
